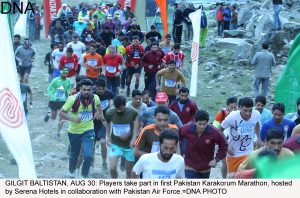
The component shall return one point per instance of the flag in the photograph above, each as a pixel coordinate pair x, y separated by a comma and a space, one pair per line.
51, 8
162, 4
21, 25
288, 85
13, 125
195, 18
283, 168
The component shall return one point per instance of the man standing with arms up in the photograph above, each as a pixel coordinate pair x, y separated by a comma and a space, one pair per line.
85, 106
243, 124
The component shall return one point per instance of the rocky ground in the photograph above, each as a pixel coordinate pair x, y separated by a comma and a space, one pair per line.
224, 71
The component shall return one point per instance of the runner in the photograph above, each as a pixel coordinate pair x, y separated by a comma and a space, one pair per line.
84, 107
147, 141
151, 62
166, 45
176, 55
59, 89
148, 117
146, 99
165, 164
47, 61
55, 59
171, 76
121, 132
93, 63
184, 107
78, 47
25, 89
106, 97
112, 64
243, 124
198, 141
25, 57
134, 52
136, 101
69, 61
284, 124
231, 103
260, 103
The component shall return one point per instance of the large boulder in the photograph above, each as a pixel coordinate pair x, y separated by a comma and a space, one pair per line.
242, 51
234, 33
291, 29
229, 43
276, 41
263, 26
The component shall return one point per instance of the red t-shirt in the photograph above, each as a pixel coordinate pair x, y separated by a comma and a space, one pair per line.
112, 64
134, 54
178, 58
70, 63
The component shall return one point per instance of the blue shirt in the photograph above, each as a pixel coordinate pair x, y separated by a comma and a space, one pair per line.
286, 127
265, 115
79, 27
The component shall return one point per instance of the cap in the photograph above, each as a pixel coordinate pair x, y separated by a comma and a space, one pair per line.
161, 97
117, 14
64, 5
109, 16
153, 27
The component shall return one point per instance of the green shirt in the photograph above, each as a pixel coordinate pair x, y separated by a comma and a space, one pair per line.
59, 89
86, 115
122, 124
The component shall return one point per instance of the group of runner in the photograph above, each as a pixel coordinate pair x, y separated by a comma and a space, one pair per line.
160, 132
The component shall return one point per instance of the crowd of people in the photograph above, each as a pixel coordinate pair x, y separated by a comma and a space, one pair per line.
158, 132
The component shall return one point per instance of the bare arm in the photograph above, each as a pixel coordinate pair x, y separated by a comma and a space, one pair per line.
136, 125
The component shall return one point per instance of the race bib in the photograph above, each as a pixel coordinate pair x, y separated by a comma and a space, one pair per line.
136, 54
69, 65
163, 174
111, 69
60, 95
92, 62
24, 96
155, 147
86, 115
104, 104
121, 129
170, 83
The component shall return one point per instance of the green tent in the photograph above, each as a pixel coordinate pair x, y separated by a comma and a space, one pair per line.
288, 85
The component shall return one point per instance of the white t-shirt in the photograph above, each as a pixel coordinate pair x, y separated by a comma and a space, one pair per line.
153, 168
241, 132
56, 55
77, 48
83, 66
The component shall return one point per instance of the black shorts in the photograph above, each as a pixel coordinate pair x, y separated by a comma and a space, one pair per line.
56, 105
24, 69
132, 70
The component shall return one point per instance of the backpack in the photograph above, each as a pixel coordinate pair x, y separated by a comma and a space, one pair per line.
203, 21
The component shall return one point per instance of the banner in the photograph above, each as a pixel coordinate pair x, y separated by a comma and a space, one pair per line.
21, 25
162, 4
195, 18
288, 85
13, 125
51, 8
132, 4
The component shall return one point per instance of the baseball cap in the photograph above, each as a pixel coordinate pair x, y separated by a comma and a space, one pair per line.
80, 19
109, 16
75, 36
161, 97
